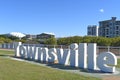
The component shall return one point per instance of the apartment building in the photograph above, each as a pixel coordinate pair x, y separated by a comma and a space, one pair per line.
109, 28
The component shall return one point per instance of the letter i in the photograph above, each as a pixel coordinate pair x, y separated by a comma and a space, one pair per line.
92, 56
82, 56
74, 55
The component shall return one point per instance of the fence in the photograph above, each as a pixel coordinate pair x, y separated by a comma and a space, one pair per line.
7, 46
115, 50
11, 46
100, 49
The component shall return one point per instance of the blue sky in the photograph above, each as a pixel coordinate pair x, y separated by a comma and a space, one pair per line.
61, 17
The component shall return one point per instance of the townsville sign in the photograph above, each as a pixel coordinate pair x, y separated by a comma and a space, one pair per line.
83, 56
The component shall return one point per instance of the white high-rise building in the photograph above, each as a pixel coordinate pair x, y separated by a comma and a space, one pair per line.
92, 30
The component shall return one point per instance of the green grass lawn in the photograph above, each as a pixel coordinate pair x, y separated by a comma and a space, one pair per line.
6, 53
118, 63
16, 70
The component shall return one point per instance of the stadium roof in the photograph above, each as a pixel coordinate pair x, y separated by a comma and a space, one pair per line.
17, 34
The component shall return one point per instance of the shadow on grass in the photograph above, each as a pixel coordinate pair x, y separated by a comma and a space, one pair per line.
62, 67
91, 71
6, 55
3, 55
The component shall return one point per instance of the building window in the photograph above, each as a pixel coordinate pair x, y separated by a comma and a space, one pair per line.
117, 33
117, 27
107, 31
107, 36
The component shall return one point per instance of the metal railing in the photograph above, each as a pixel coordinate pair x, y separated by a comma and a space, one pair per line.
115, 50
100, 49
7, 46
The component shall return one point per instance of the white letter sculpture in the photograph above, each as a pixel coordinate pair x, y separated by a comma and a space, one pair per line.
82, 56
106, 62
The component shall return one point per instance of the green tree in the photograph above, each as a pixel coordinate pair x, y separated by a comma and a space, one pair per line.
102, 41
13, 38
86, 39
51, 41
2, 40
7, 40
115, 41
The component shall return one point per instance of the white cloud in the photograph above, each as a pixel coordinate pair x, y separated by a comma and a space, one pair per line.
101, 10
